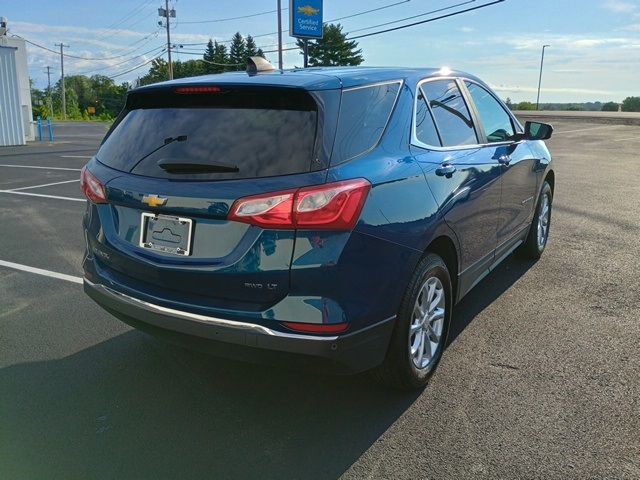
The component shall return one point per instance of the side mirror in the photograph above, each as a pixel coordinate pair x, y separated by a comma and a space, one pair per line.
537, 131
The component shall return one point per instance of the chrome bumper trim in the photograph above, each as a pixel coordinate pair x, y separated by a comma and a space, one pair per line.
194, 317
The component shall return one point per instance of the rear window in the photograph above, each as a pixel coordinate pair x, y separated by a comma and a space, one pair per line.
248, 133
364, 113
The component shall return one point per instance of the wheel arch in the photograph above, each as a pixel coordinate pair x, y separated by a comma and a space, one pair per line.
445, 247
550, 177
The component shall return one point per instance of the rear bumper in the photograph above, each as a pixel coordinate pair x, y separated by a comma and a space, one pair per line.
350, 353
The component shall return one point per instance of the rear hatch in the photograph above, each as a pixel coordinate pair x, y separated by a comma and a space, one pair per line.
174, 163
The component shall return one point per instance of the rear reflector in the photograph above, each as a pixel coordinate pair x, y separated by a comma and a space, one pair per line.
332, 206
196, 90
91, 187
317, 327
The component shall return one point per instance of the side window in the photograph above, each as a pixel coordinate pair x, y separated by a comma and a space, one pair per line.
426, 130
497, 122
451, 114
364, 113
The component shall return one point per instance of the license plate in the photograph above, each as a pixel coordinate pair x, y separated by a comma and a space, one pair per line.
166, 233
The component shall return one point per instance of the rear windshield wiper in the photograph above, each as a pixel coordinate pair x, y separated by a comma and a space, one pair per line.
183, 167
167, 141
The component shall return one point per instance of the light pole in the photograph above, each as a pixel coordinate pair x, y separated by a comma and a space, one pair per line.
540, 78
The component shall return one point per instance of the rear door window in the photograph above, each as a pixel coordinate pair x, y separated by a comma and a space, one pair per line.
364, 114
250, 134
425, 126
497, 123
450, 112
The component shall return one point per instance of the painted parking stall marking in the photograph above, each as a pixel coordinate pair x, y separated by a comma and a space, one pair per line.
41, 271
44, 185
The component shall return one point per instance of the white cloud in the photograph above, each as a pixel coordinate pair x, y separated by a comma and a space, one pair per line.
619, 6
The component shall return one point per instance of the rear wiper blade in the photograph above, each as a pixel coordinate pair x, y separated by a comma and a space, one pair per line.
184, 168
167, 141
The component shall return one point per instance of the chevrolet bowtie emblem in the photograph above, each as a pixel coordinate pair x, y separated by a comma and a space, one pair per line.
154, 200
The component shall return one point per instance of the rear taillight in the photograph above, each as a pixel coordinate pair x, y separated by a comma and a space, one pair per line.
91, 187
333, 206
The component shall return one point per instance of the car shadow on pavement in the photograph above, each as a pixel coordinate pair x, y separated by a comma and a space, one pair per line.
134, 407
486, 292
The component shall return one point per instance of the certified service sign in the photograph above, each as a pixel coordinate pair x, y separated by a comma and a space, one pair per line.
305, 18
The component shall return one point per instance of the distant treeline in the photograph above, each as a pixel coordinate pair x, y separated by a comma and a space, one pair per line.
630, 104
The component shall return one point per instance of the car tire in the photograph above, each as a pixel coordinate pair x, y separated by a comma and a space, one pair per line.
538, 236
416, 322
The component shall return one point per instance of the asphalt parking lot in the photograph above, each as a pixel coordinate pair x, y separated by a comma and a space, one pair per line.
541, 378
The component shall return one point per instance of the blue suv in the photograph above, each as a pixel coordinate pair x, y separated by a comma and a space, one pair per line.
336, 214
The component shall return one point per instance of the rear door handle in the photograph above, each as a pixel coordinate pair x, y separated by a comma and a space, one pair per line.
445, 170
504, 159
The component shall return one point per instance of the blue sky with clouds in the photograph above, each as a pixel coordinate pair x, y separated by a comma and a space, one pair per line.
594, 53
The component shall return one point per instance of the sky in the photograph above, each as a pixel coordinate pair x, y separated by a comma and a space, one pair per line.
594, 52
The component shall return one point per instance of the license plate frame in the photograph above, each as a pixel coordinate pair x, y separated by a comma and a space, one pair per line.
181, 224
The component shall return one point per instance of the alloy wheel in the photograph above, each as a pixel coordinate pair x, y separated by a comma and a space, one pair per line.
425, 332
543, 220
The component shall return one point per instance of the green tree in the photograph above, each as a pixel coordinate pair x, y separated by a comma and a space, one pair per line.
237, 52
215, 57
631, 104
190, 68
525, 106
251, 49
610, 107
509, 103
333, 49
209, 54
158, 72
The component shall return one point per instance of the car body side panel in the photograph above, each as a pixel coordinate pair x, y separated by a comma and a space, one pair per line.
519, 187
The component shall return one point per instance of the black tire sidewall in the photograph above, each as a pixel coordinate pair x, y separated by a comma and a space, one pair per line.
431, 266
546, 190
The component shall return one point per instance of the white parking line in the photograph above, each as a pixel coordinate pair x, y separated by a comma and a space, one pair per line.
585, 129
43, 168
45, 185
40, 271
76, 156
57, 197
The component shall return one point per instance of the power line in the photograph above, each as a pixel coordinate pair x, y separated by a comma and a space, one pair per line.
357, 14
236, 18
412, 16
459, 12
131, 69
470, 9
69, 55
109, 30
158, 49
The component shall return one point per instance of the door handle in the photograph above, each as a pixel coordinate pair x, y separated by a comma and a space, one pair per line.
445, 170
504, 159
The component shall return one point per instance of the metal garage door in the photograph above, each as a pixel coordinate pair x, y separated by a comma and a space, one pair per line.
11, 125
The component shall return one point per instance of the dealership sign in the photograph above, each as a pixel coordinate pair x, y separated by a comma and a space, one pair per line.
305, 18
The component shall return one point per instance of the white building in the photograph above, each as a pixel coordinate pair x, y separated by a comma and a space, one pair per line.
16, 113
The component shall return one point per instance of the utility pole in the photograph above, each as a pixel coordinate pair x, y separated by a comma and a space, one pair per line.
64, 98
167, 14
280, 34
540, 78
49, 89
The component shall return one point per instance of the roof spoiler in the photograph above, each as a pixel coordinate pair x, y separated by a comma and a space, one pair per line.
257, 65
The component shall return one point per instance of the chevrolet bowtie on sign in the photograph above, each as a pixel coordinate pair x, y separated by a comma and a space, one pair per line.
305, 18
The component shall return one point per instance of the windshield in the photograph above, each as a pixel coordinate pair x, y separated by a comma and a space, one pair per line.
262, 138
